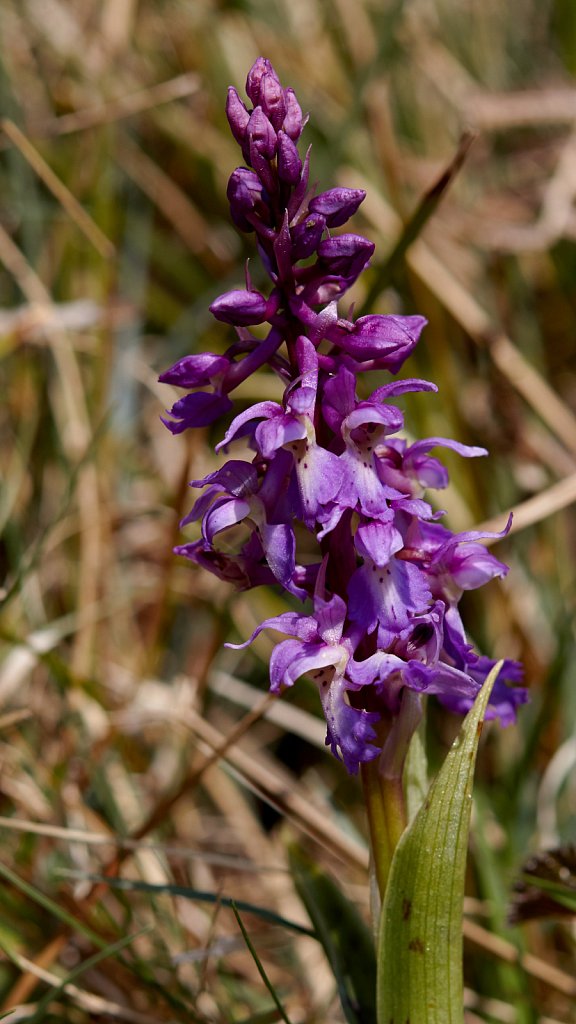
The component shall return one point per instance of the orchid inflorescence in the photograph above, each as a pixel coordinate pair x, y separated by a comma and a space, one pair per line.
385, 583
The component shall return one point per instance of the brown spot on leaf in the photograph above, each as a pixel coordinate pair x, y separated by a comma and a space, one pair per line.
416, 946
406, 909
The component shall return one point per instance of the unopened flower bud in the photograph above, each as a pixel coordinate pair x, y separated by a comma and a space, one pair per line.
388, 339
261, 135
289, 162
193, 371
261, 67
272, 100
293, 122
245, 197
346, 255
240, 307
337, 205
306, 237
237, 114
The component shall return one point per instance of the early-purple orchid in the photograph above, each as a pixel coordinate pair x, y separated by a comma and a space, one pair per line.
385, 586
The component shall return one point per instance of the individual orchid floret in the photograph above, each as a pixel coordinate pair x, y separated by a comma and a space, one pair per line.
321, 650
337, 205
410, 468
194, 371
241, 308
389, 340
319, 473
237, 495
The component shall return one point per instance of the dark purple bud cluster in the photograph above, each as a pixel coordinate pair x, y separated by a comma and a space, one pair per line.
385, 586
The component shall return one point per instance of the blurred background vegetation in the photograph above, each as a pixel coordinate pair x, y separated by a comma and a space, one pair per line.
131, 741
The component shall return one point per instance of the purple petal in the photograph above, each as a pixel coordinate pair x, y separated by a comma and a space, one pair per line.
387, 596
346, 254
260, 67
469, 451
224, 513
400, 387
504, 700
350, 735
362, 487
276, 432
320, 475
375, 670
339, 398
471, 565
280, 549
201, 505
261, 136
292, 658
237, 477
330, 616
367, 412
293, 623
196, 410
259, 411
378, 541
306, 236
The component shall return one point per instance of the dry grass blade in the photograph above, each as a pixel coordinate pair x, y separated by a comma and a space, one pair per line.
536, 509
67, 200
473, 319
505, 355
87, 1000
533, 965
178, 209
116, 110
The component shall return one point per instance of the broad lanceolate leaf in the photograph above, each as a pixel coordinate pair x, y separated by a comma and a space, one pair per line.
420, 946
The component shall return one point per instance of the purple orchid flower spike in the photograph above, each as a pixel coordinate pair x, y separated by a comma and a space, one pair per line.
329, 470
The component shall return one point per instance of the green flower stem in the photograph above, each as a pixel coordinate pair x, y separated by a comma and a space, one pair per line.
379, 839
395, 813
384, 789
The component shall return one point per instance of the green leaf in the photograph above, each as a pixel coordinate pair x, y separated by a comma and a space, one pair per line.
420, 946
346, 940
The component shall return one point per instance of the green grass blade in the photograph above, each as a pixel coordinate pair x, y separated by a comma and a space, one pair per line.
116, 947
129, 884
420, 946
259, 966
51, 906
346, 940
